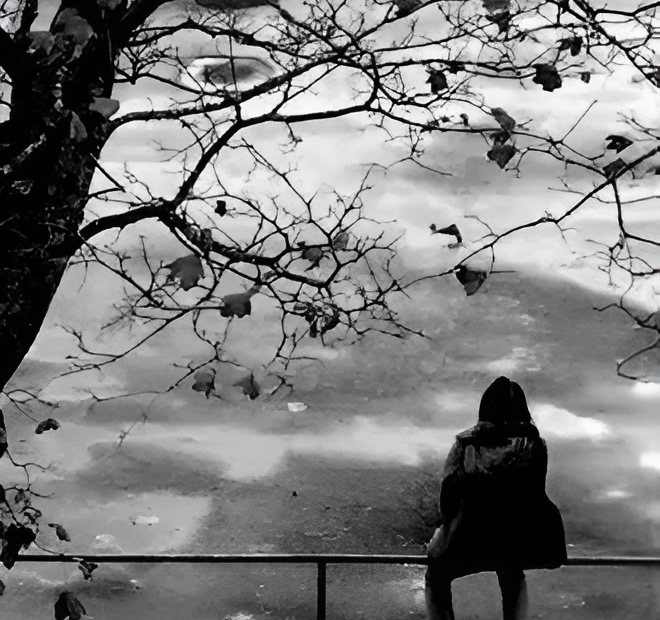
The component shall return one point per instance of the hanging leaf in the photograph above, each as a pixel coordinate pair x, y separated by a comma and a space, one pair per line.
47, 425
618, 143
321, 318
502, 154
105, 107
187, 269
471, 279
502, 19
269, 276
68, 606
312, 254
496, 5
500, 137
437, 80
15, 537
505, 121
574, 44
31, 513
406, 7
612, 169
330, 319
452, 230
465, 118
250, 386
3, 435
454, 66
205, 381
340, 241
206, 240
61, 533
585, 76
87, 568
77, 129
221, 207
238, 304
547, 76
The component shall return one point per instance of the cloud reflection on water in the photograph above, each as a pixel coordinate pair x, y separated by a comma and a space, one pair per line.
246, 453
554, 422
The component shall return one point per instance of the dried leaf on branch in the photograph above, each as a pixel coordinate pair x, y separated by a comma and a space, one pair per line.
340, 241
547, 76
249, 386
574, 44
494, 6
502, 19
406, 7
68, 606
205, 381
505, 121
437, 80
454, 66
471, 279
313, 254
47, 425
321, 317
104, 106
618, 143
87, 568
188, 270
238, 304
502, 154
613, 168
452, 230
14, 538
60, 532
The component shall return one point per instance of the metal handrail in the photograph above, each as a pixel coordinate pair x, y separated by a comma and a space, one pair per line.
299, 558
321, 560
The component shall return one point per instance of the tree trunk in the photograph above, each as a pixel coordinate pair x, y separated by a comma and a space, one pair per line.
48, 153
42, 208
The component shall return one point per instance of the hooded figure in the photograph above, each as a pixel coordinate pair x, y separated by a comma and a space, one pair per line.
495, 514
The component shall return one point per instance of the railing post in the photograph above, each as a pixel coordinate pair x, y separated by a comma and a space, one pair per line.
320, 591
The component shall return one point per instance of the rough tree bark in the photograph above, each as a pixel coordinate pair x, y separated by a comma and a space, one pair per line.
61, 84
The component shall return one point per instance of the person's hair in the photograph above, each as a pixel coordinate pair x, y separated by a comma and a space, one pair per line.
504, 401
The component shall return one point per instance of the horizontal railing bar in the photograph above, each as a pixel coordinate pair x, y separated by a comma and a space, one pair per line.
301, 558
222, 558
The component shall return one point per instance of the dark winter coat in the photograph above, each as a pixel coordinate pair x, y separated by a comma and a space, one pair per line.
495, 513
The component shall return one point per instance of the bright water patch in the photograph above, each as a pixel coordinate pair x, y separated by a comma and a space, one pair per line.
244, 453
134, 523
650, 460
646, 390
562, 424
521, 358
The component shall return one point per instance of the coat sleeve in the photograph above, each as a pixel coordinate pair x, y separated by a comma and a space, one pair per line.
452, 479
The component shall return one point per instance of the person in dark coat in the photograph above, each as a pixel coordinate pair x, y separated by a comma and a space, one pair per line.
495, 514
